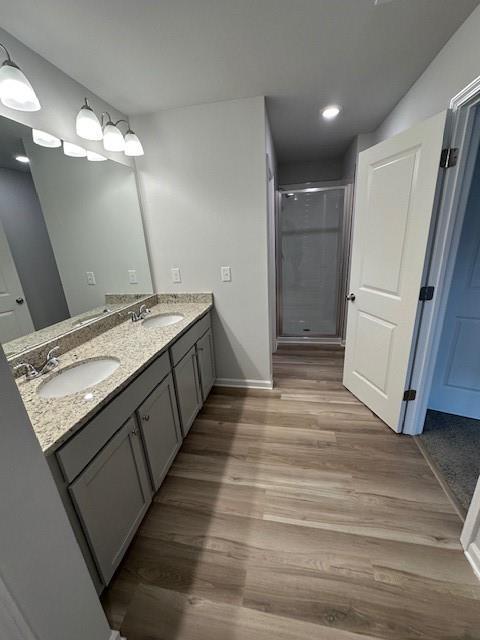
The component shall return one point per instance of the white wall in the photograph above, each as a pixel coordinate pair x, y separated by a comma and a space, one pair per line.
271, 205
300, 172
40, 562
60, 96
94, 221
203, 186
455, 66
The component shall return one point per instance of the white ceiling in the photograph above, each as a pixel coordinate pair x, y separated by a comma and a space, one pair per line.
145, 55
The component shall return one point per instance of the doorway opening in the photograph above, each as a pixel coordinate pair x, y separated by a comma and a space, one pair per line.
312, 248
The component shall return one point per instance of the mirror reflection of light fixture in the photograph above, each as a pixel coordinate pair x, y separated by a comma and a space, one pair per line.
113, 139
22, 159
45, 139
87, 124
73, 150
95, 157
16, 92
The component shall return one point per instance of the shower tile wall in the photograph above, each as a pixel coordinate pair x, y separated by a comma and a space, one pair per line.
310, 240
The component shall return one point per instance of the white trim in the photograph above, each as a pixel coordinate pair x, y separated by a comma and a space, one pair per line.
12, 623
466, 94
471, 528
240, 383
115, 635
299, 341
473, 556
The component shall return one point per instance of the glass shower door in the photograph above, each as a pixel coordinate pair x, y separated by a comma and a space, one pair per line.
310, 239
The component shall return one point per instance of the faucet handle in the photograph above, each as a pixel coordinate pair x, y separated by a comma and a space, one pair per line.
52, 351
31, 371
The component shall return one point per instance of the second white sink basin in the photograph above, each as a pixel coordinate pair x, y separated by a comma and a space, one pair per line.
163, 320
78, 377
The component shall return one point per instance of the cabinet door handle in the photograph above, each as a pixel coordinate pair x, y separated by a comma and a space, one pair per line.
134, 430
19, 300
200, 348
146, 417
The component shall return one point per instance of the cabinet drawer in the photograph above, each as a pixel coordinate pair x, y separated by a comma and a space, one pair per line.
186, 342
77, 452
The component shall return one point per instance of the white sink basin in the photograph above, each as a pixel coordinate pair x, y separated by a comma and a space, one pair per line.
78, 377
162, 320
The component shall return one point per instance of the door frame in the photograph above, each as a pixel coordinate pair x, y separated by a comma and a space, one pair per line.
343, 265
447, 224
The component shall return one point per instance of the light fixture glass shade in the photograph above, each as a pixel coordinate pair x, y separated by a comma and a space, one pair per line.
45, 139
16, 92
331, 112
133, 146
112, 138
88, 125
73, 150
95, 157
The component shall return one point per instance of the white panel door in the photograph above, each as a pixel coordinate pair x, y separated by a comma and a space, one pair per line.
15, 319
396, 187
456, 383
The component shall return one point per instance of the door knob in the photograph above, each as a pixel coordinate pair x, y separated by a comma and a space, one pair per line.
351, 297
19, 300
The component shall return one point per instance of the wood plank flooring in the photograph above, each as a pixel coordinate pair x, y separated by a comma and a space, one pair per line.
296, 514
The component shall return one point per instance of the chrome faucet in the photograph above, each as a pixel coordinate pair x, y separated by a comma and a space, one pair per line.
142, 312
51, 363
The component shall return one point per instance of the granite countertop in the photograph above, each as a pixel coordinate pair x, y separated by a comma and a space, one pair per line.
54, 420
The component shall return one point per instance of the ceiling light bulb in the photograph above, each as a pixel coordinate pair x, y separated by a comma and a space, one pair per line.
87, 124
73, 150
133, 146
95, 157
23, 159
45, 139
112, 138
331, 112
16, 92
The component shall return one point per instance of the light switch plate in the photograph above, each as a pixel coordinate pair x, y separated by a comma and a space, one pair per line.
132, 276
91, 278
176, 275
226, 274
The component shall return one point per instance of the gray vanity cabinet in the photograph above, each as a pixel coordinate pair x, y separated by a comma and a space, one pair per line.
206, 363
189, 393
112, 495
160, 427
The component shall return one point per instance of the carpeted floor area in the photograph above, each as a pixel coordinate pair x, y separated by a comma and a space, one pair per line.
453, 445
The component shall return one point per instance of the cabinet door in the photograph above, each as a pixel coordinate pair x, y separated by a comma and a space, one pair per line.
206, 363
160, 429
111, 496
188, 389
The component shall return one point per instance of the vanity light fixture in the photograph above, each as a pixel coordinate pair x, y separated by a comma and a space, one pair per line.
133, 146
331, 112
113, 139
73, 150
45, 139
16, 92
87, 124
22, 159
95, 157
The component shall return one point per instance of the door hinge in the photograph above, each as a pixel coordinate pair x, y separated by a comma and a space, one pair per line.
409, 394
449, 157
426, 293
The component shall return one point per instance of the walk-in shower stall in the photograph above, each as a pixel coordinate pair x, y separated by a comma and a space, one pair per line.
312, 249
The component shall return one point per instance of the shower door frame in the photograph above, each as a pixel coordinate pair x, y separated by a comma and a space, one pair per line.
343, 268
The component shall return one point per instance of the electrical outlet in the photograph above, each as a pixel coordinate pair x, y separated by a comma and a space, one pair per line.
176, 275
91, 278
226, 274
132, 276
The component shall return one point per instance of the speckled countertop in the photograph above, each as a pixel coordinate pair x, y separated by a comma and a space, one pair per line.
54, 420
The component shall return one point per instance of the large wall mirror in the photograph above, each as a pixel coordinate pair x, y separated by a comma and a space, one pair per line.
72, 244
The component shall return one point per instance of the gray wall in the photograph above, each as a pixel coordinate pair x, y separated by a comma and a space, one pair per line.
300, 172
204, 193
40, 563
27, 236
455, 66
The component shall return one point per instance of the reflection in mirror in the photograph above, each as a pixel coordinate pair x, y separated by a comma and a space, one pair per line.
72, 245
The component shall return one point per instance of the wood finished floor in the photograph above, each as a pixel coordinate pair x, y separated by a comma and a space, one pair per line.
296, 514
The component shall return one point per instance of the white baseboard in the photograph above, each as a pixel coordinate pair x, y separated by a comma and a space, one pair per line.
473, 556
115, 635
241, 383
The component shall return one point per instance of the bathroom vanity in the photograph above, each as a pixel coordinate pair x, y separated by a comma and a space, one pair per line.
110, 446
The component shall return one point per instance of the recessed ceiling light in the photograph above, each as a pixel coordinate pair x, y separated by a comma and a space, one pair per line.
331, 112
23, 159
